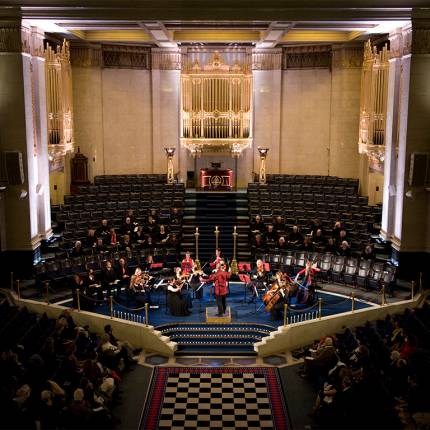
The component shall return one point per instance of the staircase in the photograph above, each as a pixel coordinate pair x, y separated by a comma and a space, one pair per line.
206, 210
215, 339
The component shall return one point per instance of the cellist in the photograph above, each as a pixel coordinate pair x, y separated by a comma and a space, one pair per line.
278, 295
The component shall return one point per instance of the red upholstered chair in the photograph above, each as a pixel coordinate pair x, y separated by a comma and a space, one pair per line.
244, 267
156, 266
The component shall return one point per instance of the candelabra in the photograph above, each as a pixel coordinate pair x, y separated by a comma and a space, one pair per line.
263, 154
169, 153
233, 266
196, 261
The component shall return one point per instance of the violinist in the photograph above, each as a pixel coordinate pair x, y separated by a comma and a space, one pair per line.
195, 282
216, 260
138, 283
175, 301
258, 280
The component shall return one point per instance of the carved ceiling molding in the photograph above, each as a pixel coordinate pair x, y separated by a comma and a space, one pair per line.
163, 59
347, 57
420, 43
86, 56
302, 57
126, 57
15, 37
267, 59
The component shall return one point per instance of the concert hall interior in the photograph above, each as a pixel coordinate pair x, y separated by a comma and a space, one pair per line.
214, 214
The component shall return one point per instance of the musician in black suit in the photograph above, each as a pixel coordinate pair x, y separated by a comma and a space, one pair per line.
109, 278
258, 280
123, 274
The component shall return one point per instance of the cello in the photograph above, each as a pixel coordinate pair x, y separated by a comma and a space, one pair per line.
280, 287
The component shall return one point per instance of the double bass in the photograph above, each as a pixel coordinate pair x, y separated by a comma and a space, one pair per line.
280, 287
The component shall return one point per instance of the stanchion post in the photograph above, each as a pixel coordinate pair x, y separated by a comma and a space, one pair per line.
412, 290
47, 291
18, 289
11, 281
319, 308
146, 314
78, 299
352, 302
111, 305
285, 314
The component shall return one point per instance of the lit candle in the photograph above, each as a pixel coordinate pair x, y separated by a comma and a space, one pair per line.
235, 229
216, 228
197, 229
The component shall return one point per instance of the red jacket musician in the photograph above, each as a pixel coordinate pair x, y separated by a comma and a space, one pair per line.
187, 264
220, 279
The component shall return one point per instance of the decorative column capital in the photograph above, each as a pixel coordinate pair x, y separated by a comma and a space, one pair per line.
15, 36
36, 46
347, 57
400, 42
165, 59
306, 57
267, 59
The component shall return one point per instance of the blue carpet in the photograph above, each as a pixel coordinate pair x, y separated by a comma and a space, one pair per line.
241, 310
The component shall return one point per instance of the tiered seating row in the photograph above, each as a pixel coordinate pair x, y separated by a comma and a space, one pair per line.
312, 179
354, 271
160, 178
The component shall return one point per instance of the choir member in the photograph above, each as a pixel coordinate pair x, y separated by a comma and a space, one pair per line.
295, 239
187, 263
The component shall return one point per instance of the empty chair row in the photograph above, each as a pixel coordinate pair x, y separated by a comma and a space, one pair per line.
291, 197
127, 187
141, 178
311, 179
303, 188
133, 195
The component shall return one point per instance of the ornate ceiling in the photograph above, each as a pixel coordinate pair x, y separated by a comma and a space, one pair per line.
172, 23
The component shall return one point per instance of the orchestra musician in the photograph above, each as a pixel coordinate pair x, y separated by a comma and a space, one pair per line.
306, 290
278, 295
109, 278
220, 279
195, 282
258, 280
187, 263
176, 302
217, 259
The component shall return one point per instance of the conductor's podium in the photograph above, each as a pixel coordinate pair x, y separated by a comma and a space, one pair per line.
212, 317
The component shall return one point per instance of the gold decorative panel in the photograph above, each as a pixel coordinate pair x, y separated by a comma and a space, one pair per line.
216, 107
373, 103
59, 100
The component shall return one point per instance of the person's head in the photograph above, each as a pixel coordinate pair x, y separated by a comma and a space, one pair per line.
318, 233
178, 270
99, 242
281, 240
342, 233
162, 228
112, 231
222, 265
279, 219
128, 220
108, 265
337, 224
328, 341
108, 328
122, 261
344, 245
368, 249
308, 264
187, 255
105, 338
138, 271
91, 232
126, 238
76, 278
150, 219
218, 252
46, 397
175, 211
78, 244
258, 238
153, 212
104, 222
295, 228
149, 258
257, 218
270, 228
331, 241
259, 263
